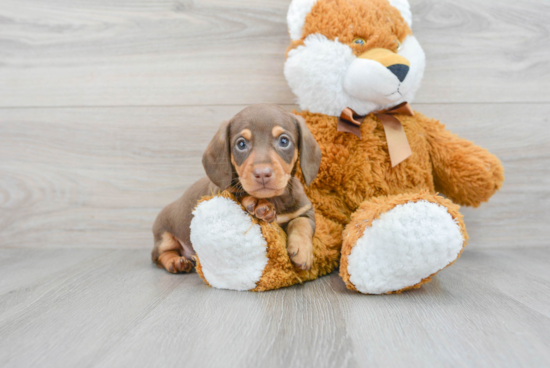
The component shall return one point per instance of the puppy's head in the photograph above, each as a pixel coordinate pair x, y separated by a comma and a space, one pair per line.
259, 149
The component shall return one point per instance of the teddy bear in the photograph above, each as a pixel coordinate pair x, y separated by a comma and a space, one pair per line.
391, 180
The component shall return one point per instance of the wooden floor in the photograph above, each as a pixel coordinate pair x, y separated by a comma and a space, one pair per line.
112, 308
105, 109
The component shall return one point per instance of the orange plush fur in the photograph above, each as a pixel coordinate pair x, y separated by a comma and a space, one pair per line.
342, 19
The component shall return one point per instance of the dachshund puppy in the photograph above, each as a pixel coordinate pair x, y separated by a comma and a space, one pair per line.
254, 156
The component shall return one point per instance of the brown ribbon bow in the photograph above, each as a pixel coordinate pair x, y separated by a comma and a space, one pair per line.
398, 145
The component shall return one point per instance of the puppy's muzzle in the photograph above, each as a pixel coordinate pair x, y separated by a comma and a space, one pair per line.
395, 63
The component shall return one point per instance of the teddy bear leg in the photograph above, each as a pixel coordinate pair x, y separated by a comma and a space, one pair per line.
238, 252
230, 249
399, 242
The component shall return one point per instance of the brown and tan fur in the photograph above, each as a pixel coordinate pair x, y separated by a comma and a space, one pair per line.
255, 157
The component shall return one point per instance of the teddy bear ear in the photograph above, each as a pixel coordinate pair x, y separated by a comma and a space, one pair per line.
296, 17
299, 9
404, 8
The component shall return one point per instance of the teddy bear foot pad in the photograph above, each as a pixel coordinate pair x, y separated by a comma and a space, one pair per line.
231, 248
403, 247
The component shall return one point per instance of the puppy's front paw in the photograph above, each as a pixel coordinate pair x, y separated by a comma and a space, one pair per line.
260, 208
249, 203
299, 243
300, 252
265, 210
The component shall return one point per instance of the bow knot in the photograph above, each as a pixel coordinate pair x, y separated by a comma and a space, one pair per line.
398, 145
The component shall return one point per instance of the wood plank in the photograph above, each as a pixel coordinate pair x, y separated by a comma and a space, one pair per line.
72, 316
114, 308
78, 177
212, 52
497, 266
476, 50
37, 271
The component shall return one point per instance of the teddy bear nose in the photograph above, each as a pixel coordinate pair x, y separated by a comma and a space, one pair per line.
263, 174
399, 70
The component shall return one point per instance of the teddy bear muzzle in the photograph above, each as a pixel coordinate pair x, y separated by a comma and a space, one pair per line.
395, 63
377, 76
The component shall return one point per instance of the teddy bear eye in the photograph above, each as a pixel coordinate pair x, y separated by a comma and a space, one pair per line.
359, 41
399, 45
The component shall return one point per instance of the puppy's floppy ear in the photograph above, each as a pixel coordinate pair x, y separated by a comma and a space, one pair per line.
310, 152
217, 158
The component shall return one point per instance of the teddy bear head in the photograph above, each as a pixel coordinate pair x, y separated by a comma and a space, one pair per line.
357, 54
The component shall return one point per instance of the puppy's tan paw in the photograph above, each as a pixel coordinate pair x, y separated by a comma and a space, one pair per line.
300, 253
180, 265
299, 243
265, 210
249, 203
260, 208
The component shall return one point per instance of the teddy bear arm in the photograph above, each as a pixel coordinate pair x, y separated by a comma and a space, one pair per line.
463, 171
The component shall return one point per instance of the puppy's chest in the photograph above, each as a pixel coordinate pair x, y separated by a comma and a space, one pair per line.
361, 167
291, 206
285, 204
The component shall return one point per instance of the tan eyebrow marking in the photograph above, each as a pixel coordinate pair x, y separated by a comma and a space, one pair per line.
246, 133
277, 131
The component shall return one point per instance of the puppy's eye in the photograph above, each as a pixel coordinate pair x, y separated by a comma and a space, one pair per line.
241, 144
359, 41
284, 141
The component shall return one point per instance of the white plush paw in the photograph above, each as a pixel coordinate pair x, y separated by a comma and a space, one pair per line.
405, 245
230, 247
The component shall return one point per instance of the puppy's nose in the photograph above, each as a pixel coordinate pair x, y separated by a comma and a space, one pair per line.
399, 70
262, 174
